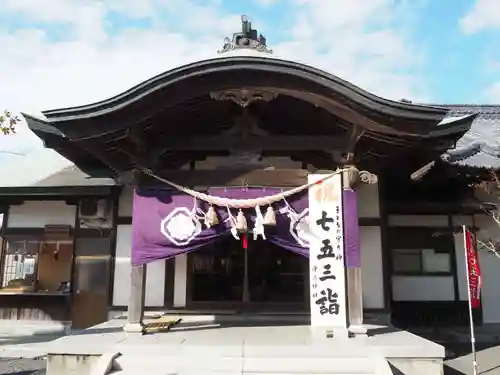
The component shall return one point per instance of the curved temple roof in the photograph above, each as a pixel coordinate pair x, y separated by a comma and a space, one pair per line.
396, 122
246, 63
287, 77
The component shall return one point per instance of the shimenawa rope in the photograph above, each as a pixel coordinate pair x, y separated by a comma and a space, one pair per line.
240, 203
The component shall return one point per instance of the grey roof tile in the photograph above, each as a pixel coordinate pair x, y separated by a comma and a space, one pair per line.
480, 146
72, 176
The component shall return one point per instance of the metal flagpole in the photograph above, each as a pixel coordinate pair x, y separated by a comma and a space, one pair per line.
471, 319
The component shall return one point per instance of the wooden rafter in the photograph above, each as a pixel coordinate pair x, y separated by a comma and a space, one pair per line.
277, 143
354, 135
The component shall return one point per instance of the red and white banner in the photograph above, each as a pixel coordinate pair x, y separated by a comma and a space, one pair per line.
473, 269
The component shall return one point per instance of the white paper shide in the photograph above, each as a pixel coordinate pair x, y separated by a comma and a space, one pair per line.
326, 254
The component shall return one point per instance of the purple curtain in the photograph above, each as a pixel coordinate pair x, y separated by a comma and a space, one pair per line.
351, 228
163, 225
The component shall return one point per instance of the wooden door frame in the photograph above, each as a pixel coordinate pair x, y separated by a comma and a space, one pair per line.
302, 306
75, 286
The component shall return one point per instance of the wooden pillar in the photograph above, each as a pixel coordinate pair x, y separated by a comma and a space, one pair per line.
136, 300
354, 284
355, 301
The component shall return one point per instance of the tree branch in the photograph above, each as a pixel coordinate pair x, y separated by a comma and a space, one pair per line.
492, 209
12, 153
8, 123
489, 246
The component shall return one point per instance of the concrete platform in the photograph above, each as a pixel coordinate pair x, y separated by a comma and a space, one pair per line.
199, 346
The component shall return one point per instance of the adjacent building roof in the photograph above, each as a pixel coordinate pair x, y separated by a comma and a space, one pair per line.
72, 176
67, 182
480, 146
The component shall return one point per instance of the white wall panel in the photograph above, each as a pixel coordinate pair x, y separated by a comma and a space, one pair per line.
155, 284
121, 284
490, 266
460, 220
418, 221
460, 256
422, 288
180, 280
37, 214
368, 200
371, 266
125, 202
155, 273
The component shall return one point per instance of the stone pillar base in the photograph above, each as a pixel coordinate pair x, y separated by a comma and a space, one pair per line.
358, 330
325, 333
339, 334
134, 328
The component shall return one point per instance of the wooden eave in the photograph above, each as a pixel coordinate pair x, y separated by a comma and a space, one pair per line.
170, 119
52, 138
201, 78
25, 193
232, 64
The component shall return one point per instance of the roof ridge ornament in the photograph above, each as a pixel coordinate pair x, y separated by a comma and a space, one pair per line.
248, 38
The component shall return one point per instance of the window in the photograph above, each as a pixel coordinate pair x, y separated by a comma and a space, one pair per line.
406, 261
420, 262
20, 263
419, 251
33, 265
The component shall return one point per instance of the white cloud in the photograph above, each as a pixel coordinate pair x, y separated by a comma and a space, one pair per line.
89, 63
25, 170
267, 2
493, 93
484, 14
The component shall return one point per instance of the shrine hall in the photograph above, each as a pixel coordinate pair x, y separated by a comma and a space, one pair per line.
252, 184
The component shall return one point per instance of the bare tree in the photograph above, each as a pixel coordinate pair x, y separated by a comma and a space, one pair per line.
491, 207
8, 123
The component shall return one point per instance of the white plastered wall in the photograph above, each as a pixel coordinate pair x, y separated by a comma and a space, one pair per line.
371, 248
37, 214
428, 288
155, 273
125, 202
460, 254
490, 267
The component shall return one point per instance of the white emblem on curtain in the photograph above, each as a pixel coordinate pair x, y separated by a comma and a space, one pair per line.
180, 226
299, 228
299, 224
258, 229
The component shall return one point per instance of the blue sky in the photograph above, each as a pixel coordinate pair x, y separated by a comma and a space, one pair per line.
58, 53
459, 65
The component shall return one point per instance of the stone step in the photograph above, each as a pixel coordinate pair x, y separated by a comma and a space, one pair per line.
296, 318
167, 372
208, 364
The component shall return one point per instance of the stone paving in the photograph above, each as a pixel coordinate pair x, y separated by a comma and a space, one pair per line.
488, 359
18, 354
13, 347
458, 349
460, 365
22, 366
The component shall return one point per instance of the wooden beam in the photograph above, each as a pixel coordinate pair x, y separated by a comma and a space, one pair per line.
228, 177
139, 158
275, 143
135, 146
98, 150
355, 134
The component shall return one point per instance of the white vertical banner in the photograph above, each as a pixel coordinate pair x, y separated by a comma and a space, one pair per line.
326, 253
